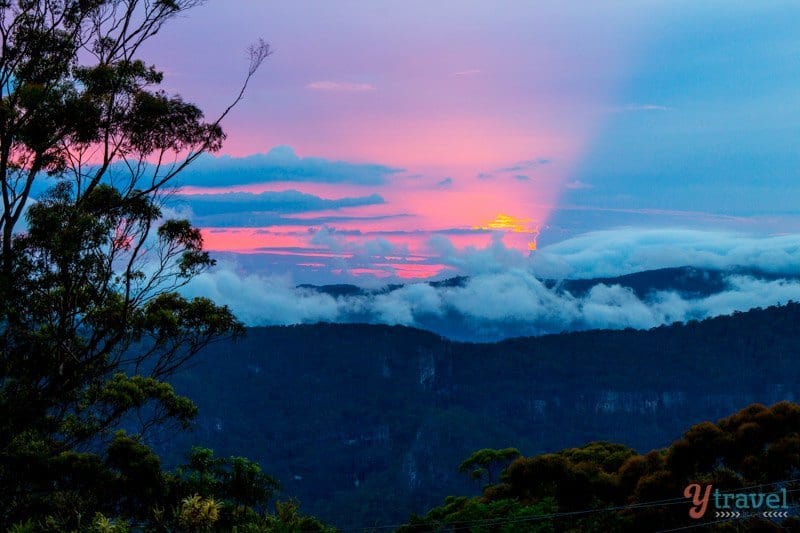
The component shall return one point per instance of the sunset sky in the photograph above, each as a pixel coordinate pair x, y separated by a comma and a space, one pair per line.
386, 139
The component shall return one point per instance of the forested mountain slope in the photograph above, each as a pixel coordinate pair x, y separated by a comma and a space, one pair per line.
368, 423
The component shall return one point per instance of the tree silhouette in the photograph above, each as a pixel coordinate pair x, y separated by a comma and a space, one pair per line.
604, 486
487, 463
91, 325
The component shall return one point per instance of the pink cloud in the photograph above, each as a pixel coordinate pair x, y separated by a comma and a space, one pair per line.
437, 112
340, 86
468, 73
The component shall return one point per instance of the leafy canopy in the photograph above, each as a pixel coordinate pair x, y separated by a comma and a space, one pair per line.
91, 323
604, 486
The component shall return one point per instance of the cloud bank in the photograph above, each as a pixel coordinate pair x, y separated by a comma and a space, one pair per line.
485, 307
281, 164
505, 295
290, 201
623, 251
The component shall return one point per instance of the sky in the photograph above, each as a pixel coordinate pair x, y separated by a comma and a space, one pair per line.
391, 141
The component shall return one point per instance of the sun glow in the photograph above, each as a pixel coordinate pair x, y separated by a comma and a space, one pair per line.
509, 223
513, 224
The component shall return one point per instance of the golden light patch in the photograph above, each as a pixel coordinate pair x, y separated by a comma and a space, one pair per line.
514, 225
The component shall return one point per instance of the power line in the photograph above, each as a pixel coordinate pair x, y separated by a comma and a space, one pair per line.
462, 525
566, 514
701, 524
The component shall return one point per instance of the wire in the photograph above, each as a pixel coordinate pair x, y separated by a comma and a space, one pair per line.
643, 505
702, 524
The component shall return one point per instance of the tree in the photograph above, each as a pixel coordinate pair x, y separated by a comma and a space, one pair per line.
91, 323
488, 463
603, 486
237, 485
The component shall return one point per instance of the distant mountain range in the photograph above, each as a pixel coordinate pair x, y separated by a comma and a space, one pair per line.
368, 423
688, 281
498, 306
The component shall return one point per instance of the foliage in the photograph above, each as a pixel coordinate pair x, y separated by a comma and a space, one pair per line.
486, 463
197, 513
91, 325
472, 514
102, 524
364, 441
604, 486
286, 520
236, 486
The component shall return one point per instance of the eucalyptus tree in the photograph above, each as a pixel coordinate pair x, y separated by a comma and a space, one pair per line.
91, 321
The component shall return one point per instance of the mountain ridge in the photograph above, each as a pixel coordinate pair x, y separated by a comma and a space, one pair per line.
681, 278
352, 416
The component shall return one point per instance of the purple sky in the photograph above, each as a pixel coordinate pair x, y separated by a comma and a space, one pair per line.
380, 134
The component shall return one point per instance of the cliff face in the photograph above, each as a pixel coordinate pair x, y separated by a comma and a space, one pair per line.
366, 424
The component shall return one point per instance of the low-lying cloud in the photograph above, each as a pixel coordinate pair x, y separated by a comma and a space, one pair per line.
505, 294
623, 251
486, 307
